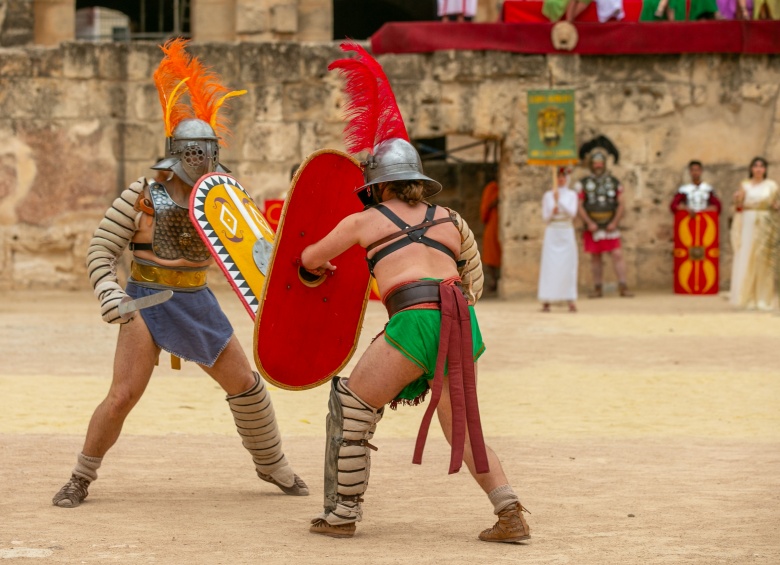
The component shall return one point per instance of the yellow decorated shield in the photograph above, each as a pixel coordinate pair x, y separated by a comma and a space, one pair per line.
234, 229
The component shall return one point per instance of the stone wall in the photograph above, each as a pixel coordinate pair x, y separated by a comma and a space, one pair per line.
16, 22
81, 121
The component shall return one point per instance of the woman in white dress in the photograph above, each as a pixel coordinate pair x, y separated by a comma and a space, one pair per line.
752, 270
558, 272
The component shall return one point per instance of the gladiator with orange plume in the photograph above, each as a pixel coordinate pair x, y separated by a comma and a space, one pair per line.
191, 96
166, 303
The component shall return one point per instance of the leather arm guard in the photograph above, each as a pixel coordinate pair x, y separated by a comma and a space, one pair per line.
112, 236
470, 272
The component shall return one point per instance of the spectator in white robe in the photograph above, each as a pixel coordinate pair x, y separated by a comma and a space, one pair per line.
558, 272
457, 10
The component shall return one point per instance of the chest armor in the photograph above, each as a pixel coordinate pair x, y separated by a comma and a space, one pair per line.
600, 198
697, 198
174, 235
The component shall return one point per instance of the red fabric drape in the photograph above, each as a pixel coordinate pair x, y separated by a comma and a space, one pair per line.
610, 38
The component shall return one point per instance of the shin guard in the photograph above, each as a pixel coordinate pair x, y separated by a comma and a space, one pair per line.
255, 421
350, 425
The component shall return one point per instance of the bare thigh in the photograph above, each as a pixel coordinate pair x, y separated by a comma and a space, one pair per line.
232, 369
134, 360
382, 373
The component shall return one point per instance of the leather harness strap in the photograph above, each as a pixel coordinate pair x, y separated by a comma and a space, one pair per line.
413, 294
414, 234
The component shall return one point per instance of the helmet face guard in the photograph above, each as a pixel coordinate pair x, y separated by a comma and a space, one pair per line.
396, 159
191, 152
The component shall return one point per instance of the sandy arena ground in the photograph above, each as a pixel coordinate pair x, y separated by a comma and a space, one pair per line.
636, 431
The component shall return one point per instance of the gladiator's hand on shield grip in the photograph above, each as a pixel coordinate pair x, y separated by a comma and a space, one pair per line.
110, 295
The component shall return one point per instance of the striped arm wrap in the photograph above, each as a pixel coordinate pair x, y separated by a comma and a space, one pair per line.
112, 236
255, 421
471, 273
351, 424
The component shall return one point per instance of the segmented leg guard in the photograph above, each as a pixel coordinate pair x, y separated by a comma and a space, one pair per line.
351, 423
255, 420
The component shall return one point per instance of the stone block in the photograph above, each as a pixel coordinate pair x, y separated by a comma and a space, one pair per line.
266, 63
319, 135
284, 18
267, 102
272, 142
565, 71
223, 58
612, 102
142, 60
303, 100
719, 135
637, 68
762, 94
315, 21
111, 60
773, 148
80, 60
140, 141
315, 58
494, 108
252, 18
15, 63
265, 180
456, 108
46, 61
83, 99
403, 67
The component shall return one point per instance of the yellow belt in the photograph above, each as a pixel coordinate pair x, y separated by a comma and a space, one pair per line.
166, 276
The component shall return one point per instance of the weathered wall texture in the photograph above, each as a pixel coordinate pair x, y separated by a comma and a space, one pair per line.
16, 22
81, 121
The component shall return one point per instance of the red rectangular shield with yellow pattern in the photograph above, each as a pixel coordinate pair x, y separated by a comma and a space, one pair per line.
308, 327
696, 253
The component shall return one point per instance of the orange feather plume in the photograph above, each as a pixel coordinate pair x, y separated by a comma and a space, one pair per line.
168, 78
203, 85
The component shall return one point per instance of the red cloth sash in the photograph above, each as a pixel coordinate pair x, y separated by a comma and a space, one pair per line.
455, 347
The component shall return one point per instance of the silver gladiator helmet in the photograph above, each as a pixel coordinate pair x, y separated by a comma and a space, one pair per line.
397, 159
192, 151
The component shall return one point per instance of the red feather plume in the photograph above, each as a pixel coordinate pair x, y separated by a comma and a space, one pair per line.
372, 111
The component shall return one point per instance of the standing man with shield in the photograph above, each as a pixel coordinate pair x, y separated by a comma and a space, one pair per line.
413, 249
151, 218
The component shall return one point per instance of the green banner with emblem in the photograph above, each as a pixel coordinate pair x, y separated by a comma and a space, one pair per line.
551, 128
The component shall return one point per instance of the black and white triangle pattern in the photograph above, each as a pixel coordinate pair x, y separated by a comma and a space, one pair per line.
239, 282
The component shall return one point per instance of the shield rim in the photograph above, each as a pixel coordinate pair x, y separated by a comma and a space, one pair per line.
213, 251
259, 317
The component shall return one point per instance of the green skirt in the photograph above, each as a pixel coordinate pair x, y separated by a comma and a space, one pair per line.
415, 333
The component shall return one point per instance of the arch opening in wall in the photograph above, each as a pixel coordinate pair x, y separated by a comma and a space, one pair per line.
126, 20
466, 167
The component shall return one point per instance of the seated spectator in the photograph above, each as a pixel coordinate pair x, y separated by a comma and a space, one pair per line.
554, 10
766, 10
457, 10
662, 10
675, 10
605, 9
735, 9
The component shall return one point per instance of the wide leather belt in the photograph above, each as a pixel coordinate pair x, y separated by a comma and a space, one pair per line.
412, 294
169, 277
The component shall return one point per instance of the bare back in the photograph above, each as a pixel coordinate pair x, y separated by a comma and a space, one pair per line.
413, 261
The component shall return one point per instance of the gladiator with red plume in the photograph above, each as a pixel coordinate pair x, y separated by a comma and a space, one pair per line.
432, 341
